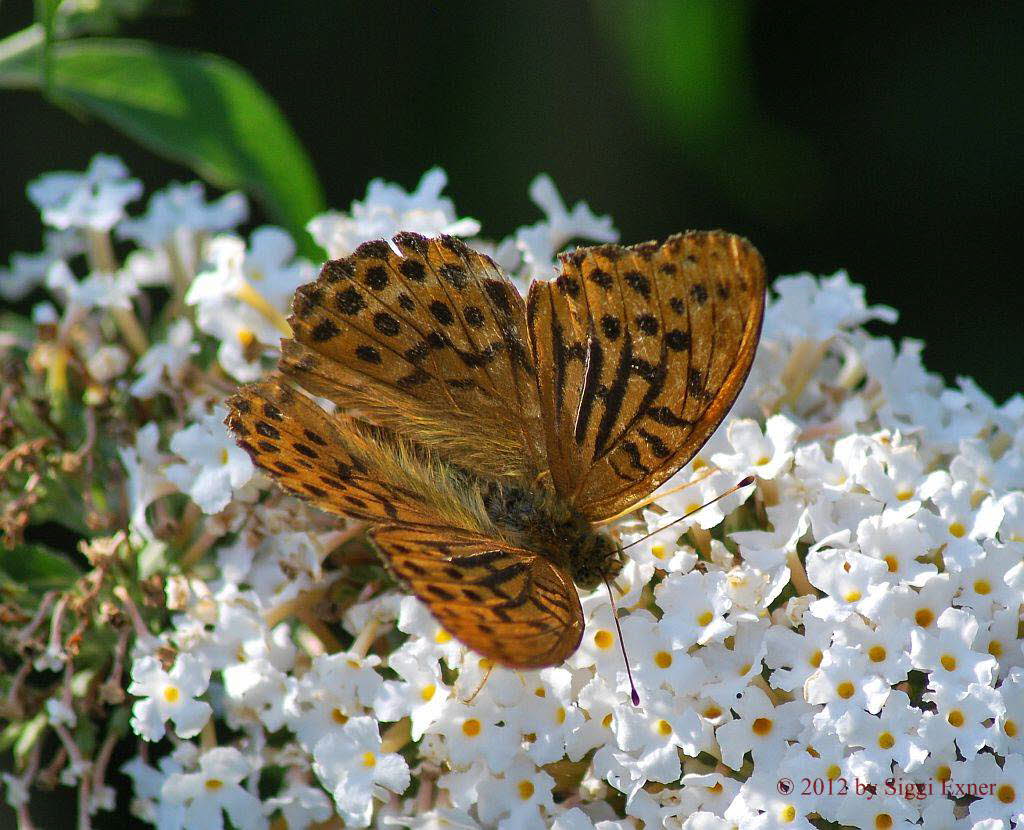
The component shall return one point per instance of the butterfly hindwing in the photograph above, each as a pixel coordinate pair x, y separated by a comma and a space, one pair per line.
427, 338
640, 352
513, 606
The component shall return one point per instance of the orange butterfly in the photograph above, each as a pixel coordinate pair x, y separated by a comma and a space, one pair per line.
484, 437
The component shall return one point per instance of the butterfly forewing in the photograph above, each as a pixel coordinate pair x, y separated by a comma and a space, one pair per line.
429, 342
641, 352
310, 454
508, 604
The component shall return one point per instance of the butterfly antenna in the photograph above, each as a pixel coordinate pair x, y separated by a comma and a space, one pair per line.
634, 695
655, 496
746, 482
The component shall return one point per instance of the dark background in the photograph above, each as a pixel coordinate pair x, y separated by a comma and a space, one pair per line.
832, 135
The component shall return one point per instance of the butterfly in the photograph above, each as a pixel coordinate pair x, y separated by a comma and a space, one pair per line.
484, 437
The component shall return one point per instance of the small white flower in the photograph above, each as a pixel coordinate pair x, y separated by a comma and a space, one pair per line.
845, 682
60, 713
99, 289
183, 207
214, 465
200, 799
1004, 798
93, 200
387, 209
27, 271
163, 365
761, 728
947, 653
245, 295
17, 794
146, 482
169, 696
475, 732
816, 309
695, 605
422, 693
520, 798
351, 764
537, 244
301, 806
892, 736
764, 454
107, 363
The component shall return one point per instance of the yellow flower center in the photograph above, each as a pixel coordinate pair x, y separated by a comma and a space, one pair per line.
948, 662
852, 596
715, 788
943, 773
764, 459
761, 726
663, 728
904, 494
1010, 728
213, 783
658, 550
442, 637
246, 337
427, 692
705, 619
606, 721
877, 654
957, 529
172, 694
833, 772
712, 712
816, 658
692, 507
1006, 794
955, 718
560, 715
982, 587
845, 690
223, 455
368, 759
604, 639
886, 741
787, 814
526, 790
662, 659
699, 463
540, 692
995, 648
883, 821
485, 663
924, 617
338, 717
892, 562
471, 727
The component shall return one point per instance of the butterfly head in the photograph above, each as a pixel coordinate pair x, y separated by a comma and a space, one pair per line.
594, 557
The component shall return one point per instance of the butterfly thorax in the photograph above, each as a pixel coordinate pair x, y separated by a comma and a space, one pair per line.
539, 520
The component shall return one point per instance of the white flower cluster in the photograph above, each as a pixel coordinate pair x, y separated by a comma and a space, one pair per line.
839, 646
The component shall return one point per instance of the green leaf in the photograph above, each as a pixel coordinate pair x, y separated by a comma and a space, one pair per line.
37, 568
198, 109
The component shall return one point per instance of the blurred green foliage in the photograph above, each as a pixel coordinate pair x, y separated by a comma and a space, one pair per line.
196, 109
